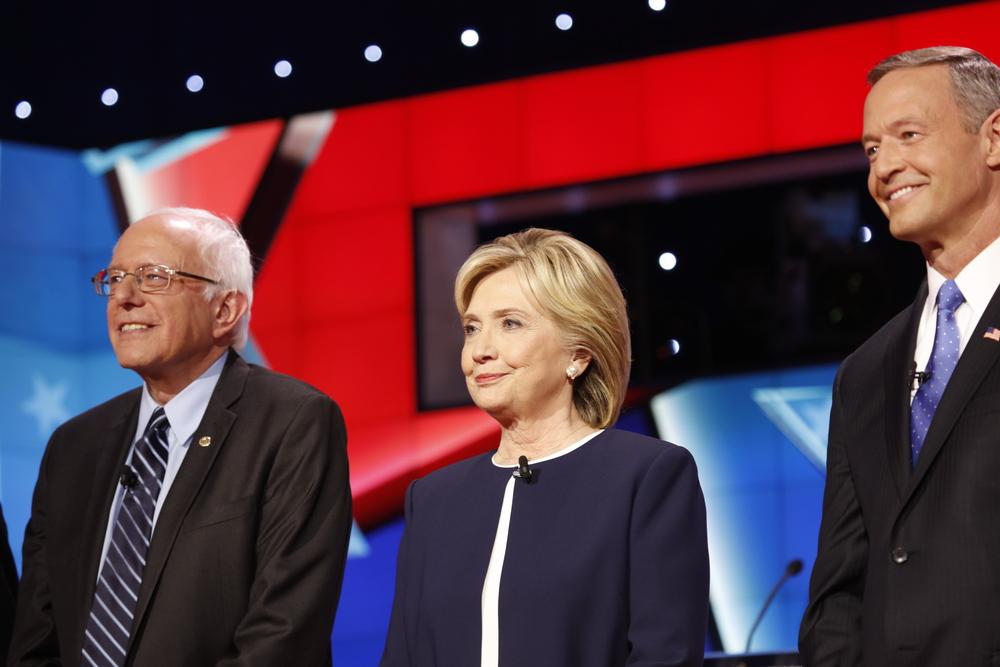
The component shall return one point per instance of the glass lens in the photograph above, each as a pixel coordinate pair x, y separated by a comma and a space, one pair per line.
112, 279
100, 281
152, 278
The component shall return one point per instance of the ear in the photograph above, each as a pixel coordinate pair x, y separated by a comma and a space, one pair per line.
581, 360
227, 309
991, 128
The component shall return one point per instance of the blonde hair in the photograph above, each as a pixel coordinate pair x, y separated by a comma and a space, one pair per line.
575, 288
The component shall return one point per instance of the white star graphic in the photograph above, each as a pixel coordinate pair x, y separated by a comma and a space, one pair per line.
358, 546
47, 405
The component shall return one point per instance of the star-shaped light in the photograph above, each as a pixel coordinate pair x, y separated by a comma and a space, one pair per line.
47, 405
358, 546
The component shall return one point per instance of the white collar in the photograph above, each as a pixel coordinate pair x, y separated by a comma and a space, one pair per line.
556, 454
978, 281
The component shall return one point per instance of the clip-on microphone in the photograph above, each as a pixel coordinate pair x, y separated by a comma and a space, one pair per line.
523, 471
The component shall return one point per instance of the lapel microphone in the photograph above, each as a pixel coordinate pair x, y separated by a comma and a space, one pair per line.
128, 478
523, 471
916, 378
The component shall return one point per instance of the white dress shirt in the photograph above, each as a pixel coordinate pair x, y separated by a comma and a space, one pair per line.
977, 281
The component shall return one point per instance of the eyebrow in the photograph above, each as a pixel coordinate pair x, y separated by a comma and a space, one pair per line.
508, 311
865, 138
497, 313
115, 265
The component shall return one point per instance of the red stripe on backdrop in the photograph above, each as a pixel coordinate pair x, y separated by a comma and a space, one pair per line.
335, 299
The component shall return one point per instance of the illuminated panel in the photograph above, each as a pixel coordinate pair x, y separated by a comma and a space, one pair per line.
380, 161
210, 180
763, 491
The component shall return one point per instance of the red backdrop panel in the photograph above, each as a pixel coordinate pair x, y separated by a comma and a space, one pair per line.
335, 300
465, 143
704, 106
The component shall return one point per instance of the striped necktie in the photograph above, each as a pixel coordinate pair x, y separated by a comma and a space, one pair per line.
106, 638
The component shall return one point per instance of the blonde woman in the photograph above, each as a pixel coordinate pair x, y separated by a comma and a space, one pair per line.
572, 544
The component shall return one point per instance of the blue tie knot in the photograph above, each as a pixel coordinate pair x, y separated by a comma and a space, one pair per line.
949, 296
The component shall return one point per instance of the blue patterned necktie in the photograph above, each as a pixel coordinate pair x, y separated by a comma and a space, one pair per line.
110, 623
944, 358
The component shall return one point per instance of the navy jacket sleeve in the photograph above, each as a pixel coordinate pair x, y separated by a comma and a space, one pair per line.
668, 578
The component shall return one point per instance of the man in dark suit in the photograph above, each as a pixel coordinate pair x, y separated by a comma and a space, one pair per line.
203, 518
8, 588
908, 568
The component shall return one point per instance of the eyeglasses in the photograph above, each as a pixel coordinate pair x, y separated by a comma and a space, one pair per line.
150, 279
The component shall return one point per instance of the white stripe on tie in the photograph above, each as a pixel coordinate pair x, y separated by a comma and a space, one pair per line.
133, 572
114, 642
111, 615
112, 593
99, 647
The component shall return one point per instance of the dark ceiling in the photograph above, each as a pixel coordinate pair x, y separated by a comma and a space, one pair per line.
60, 56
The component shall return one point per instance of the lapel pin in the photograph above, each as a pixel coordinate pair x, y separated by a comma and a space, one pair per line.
993, 334
205, 441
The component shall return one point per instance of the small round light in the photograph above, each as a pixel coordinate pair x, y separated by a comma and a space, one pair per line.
674, 346
564, 21
865, 234
109, 97
668, 261
195, 83
282, 68
23, 109
373, 53
657, 5
470, 37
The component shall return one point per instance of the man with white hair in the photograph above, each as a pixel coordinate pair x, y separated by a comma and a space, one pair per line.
203, 518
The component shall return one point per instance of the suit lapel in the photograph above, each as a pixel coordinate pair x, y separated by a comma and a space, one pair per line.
898, 367
977, 359
108, 461
215, 424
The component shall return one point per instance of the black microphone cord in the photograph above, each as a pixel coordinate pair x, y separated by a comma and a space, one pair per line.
792, 569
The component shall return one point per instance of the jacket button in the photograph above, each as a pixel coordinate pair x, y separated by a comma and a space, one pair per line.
899, 555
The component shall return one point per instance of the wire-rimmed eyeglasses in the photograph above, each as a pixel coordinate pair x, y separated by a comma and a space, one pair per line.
150, 279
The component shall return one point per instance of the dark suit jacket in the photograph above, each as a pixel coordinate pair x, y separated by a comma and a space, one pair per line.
606, 562
8, 588
908, 569
247, 556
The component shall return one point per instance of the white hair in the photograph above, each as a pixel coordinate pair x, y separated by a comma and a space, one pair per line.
225, 253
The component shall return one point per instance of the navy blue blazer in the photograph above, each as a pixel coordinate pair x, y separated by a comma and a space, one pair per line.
606, 561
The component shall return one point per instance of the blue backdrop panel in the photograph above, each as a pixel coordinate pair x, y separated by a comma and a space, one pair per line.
759, 441
58, 229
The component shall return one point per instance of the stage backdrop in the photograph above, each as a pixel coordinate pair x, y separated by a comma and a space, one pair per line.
327, 200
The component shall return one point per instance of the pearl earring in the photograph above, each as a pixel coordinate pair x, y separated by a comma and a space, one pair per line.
571, 372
